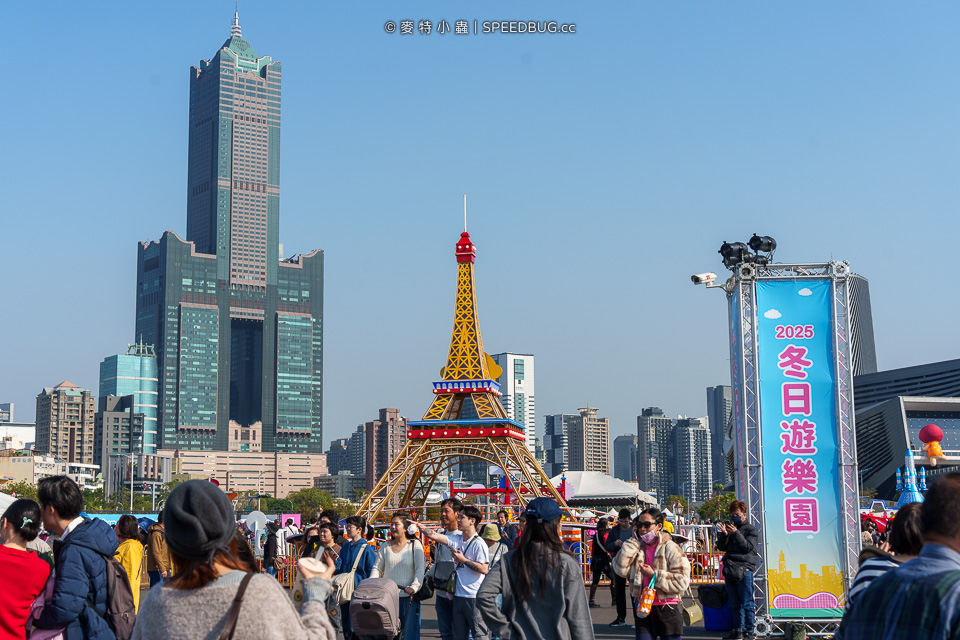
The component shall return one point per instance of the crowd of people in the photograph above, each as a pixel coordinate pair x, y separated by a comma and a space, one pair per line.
488, 580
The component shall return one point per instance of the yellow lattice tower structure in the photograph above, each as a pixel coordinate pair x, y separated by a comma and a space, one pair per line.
465, 421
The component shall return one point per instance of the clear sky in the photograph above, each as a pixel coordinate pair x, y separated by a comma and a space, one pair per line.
602, 169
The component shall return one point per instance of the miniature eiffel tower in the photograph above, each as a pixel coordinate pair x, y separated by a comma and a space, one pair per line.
465, 421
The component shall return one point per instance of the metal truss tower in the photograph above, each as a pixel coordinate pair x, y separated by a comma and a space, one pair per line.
748, 441
465, 421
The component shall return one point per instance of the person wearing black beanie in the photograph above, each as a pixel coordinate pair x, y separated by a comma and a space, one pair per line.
213, 581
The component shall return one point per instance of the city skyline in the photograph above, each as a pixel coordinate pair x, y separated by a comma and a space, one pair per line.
649, 122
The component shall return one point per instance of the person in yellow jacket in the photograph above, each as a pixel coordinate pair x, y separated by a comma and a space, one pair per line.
130, 553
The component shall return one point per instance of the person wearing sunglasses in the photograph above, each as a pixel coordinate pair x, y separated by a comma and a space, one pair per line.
652, 552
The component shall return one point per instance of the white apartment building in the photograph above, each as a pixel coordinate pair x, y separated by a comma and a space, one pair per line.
517, 386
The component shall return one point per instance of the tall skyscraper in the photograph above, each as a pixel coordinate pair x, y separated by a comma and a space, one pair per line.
517, 389
555, 442
65, 421
863, 348
134, 374
691, 468
338, 456
654, 433
385, 438
238, 332
625, 458
119, 428
719, 408
588, 442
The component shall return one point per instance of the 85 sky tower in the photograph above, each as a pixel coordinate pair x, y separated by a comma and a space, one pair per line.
238, 332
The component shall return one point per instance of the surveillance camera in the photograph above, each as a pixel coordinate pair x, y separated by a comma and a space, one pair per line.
703, 278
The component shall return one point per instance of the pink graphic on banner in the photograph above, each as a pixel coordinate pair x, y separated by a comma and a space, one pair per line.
796, 398
821, 600
801, 515
799, 476
793, 361
799, 438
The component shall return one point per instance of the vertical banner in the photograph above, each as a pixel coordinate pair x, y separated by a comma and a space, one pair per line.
795, 363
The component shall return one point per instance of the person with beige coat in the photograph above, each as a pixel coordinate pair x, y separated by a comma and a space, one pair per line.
652, 552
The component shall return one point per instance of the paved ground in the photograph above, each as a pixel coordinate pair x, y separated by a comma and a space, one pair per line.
601, 618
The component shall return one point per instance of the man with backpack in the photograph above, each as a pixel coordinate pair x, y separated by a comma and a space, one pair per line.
82, 600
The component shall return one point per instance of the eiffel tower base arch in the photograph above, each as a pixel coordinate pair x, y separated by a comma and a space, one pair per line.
413, 473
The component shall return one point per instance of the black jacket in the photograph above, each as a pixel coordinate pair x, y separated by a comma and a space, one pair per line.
740, 546
270, 549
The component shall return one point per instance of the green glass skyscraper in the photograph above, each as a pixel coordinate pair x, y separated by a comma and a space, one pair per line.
238, 332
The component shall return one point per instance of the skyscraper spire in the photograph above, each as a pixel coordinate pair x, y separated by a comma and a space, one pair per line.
235, 28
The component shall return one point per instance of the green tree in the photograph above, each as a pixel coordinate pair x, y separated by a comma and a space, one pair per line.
678, 500
309, 500
22, 489
717, 506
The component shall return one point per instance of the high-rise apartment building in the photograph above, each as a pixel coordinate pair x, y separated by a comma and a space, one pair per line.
357, 452
719, 415
134, 374
119, 428
654, 433
385, 438
517, 388
691, 469
238, 332
625, 458
338, 456
555, 443
588, 442
65, 423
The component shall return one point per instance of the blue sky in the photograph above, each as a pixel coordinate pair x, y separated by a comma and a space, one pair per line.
602, 169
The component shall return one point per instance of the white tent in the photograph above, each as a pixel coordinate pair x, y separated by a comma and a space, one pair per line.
592, 488
5, 501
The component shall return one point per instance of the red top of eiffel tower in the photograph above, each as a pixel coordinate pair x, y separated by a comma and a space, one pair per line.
466, 250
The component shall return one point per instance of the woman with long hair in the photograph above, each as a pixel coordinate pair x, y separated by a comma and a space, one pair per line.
600, 563
311, 542
541, 583
651, 553
213, 590
23, 574
904, 543
130, 553
402, 560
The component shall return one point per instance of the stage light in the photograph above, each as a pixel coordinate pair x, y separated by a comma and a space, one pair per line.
733, 253
762, 244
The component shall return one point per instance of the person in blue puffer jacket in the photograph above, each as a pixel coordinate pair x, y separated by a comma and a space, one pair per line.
80, 596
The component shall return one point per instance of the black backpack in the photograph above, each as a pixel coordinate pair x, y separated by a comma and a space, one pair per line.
121, 613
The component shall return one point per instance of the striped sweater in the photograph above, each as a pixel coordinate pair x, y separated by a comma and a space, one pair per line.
405, 568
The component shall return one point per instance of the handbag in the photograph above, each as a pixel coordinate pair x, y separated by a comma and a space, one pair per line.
451, 586
645, 601
425, 592
733, 572
692, 613
345, 583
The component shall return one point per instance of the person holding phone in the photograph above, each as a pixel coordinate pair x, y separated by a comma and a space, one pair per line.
738, 539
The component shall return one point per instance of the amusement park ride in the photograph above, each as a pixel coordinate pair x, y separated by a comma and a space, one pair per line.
465, 421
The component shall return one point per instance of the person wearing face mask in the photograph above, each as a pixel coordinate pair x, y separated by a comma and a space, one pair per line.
652, 552
738, 539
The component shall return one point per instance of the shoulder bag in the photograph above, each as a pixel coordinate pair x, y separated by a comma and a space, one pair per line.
451, 586
442, 570
345, 583
425, 592
234, 613
692, 613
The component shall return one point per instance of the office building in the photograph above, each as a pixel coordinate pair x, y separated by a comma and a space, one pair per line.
338, 456
343, 485
24, 432
625, 458
238, 332
385, 438
134, 374
272, 473
935, 380
863, 348
119, 428
6, 412
517, 388
588, 442
150, 473
691, 469
654, 435
65, 423
357, 452
555, 443
720, 417
539, 453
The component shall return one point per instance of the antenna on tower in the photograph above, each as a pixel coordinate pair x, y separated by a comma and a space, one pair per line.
464, 212
235, 27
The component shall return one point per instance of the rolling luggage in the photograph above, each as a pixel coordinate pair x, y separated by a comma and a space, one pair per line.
375, 609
